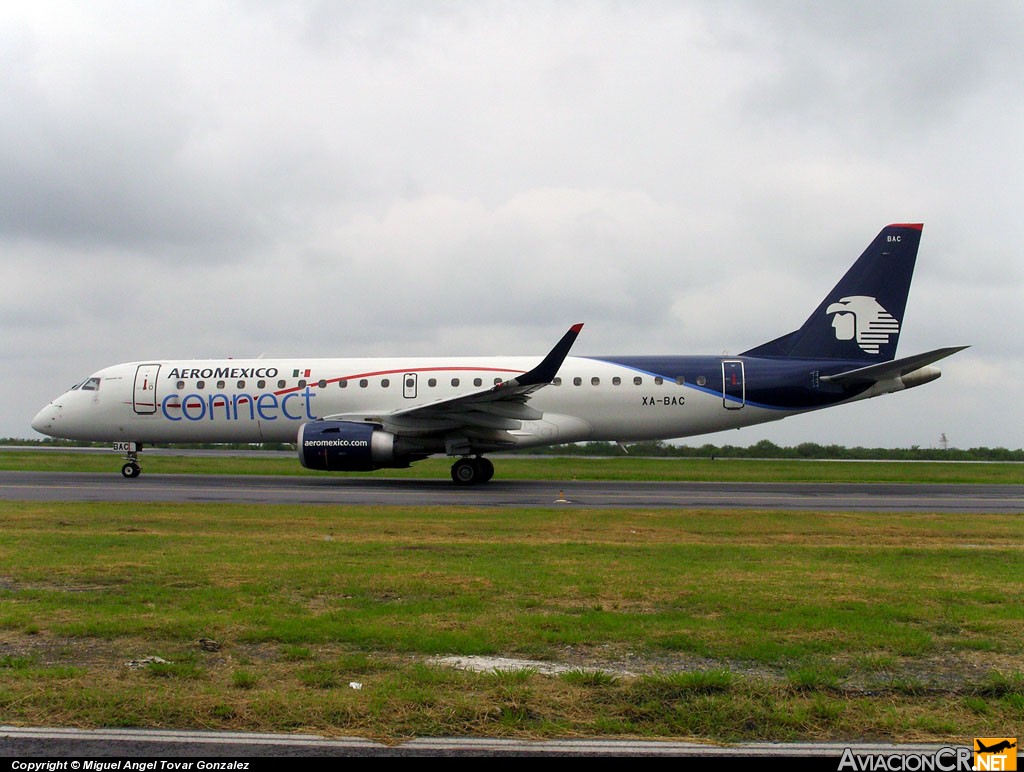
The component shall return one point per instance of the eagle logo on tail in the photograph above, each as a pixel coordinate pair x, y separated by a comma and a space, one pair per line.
861, 318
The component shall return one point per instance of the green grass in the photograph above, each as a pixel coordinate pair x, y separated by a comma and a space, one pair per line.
553, 468
733, 624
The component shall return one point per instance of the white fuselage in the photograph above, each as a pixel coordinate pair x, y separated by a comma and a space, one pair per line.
268, 400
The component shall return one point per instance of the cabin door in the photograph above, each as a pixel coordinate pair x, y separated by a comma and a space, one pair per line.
734, 387
144, 400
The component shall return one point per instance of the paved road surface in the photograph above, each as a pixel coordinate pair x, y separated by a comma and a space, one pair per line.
348, 490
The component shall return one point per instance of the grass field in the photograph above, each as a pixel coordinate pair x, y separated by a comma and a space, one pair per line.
556, 468
717, 625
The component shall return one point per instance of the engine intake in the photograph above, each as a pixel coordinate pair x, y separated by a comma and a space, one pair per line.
345, 446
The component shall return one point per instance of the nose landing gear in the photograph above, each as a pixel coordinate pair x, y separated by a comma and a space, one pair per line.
131, 468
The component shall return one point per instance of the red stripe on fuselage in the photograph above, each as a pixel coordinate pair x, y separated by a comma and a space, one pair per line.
404, 370
356, 376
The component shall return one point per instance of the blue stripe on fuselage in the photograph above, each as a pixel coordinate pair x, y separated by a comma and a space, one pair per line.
772, 384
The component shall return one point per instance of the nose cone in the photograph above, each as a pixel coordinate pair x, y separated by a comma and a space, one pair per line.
44, 420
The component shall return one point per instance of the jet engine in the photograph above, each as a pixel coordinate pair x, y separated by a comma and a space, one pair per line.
345, 446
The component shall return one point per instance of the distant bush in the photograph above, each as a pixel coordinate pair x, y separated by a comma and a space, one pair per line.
768, 449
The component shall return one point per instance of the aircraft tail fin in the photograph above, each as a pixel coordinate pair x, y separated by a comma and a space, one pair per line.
860, 318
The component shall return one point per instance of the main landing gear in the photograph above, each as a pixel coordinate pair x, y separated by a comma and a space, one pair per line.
131, 468
472, 471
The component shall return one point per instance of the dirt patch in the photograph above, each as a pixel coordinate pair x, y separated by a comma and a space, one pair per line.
952, 673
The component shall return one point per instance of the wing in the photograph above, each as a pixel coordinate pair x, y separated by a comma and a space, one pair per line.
477, 421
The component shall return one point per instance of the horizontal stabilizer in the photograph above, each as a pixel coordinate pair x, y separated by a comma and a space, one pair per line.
897, 368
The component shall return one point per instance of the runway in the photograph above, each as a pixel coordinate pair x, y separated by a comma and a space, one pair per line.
349, 490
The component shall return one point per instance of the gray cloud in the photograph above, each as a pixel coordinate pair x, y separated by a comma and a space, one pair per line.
317, 178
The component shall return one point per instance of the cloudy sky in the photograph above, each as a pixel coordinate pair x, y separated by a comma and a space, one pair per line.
328, 178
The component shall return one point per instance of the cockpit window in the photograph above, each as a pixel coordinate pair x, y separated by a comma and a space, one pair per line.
89, 384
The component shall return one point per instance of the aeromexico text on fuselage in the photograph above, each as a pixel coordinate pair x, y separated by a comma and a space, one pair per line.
222, 372
775, 386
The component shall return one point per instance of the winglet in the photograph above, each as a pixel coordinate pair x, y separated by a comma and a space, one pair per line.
545, 372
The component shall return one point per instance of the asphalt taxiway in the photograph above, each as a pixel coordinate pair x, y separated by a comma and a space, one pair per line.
349, 490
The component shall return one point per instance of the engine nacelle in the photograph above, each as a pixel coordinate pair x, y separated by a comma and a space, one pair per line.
346, 446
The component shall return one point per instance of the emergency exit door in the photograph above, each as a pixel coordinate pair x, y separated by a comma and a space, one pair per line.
409, 384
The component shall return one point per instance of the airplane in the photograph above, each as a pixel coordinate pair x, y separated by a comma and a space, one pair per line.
354, 415
999, 747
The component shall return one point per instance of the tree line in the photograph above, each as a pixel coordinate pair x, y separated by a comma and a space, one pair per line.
765, 449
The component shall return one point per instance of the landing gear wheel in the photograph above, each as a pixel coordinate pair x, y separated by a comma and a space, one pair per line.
486, 469
472, 471
131, 470
465, 471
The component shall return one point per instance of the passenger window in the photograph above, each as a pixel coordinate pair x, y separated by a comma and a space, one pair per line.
556, 382
577, 381
477, 382
595, 381
701, 380
180, 385
241, 384
637, 380
261, 384
363, 383
220, 384
385, 382
658, 380
322, 384
497, 381
616, 381
432, 382
342, 384
200, 385
280, 384
680, 381
455, 381
302, 384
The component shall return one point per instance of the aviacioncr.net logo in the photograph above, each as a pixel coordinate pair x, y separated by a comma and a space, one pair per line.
862, 318
995, 754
